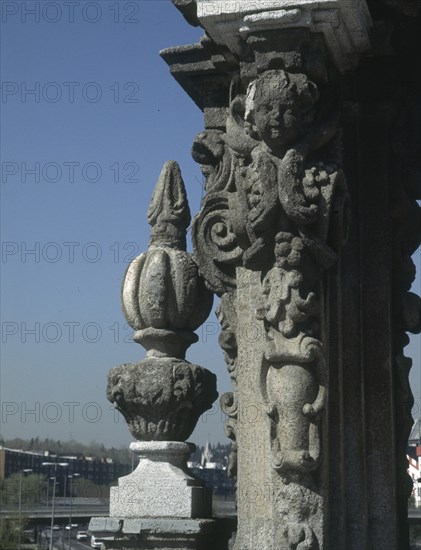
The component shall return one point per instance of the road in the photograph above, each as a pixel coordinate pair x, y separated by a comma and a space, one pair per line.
63, 544
76, 545
86, 510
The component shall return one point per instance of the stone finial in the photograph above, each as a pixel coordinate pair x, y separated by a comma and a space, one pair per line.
164, 298
169, 212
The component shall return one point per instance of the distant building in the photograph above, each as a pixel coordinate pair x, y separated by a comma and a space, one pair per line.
208, 460
212, 471
13, 461
100, 471
414, 460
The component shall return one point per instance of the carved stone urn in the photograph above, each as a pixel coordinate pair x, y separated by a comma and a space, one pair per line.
162, 397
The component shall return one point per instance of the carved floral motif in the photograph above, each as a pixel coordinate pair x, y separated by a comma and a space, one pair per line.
264, 175
227, 316
161, 399
276, 203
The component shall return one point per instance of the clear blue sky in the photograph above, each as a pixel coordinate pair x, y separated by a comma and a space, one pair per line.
104, 117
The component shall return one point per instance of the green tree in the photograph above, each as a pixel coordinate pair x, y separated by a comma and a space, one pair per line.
33, 490
10, 531
34, 487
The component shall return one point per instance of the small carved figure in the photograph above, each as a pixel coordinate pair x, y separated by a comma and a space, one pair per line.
293, 353
281, 114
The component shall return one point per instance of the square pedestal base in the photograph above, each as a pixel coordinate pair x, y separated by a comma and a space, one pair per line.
163, 534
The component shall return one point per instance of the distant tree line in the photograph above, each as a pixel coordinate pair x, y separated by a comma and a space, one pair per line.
220, 451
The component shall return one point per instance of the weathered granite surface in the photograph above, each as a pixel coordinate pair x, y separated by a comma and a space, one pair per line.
163, 296
163, 534
306, 234
311, 159
161, 398
164, 299
161, 485
264, 236
344, 24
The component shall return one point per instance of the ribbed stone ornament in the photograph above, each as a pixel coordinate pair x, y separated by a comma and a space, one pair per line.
163, 296
164, 299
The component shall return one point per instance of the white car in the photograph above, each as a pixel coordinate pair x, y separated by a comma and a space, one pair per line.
96, 542
73, 526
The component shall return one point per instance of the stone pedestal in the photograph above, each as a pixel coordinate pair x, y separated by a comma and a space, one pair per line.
161, 486
163, 534
164, 300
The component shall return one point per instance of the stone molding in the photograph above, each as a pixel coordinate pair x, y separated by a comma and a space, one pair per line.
345, 24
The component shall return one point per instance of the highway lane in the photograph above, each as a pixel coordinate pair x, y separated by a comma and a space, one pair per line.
77, 545
62, 543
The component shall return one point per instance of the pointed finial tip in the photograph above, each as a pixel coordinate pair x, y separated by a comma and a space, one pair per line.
169, 212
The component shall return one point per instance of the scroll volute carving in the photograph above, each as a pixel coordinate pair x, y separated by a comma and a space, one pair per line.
277, 203
301, 146
276, 167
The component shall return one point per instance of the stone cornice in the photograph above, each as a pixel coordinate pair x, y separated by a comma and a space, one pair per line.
344, 23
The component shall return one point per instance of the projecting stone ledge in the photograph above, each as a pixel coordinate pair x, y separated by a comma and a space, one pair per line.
345, 25
162, 533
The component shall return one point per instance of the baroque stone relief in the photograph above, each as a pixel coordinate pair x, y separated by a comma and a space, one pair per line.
277, 203
227, 316
294, 391
161, 399
276, 166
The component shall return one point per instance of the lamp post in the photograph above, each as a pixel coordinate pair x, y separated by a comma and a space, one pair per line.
48, 490
70, 507
55, 464
26, 471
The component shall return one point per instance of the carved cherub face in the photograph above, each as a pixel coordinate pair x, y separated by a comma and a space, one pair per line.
281, 104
